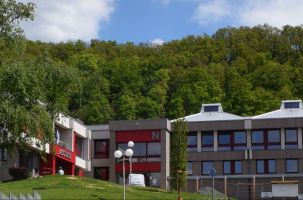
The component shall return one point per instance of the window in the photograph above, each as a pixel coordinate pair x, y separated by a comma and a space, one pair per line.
274, 140
291, 166
101, 149
192, 142
3, 155
154, 179
266, 139
153, 148
211, 108
232, 167
206, 167
238, 167
227, 167
207, 141
189, 168
291, 139
79, 147
224, 143
289, 105
139, 149
144, 151
101, 173
266, 166
231, 140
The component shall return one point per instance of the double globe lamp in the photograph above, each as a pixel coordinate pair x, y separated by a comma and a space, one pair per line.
127, 153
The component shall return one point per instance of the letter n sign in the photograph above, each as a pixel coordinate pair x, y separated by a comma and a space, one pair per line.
155, 135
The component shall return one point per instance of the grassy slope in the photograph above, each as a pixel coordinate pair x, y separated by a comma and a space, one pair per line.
67, 187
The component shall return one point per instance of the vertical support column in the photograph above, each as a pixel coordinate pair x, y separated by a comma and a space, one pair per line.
248, 139
225, 185
254, 188
112, 159
165, 159
299, 138
73, 170
282, 138
197, 184
54, 165
199, 145
215, 140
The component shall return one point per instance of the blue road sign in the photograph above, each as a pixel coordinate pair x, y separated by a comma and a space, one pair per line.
212, 172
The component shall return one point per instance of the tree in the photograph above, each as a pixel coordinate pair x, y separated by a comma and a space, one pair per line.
179, 155
11, 13
32, 90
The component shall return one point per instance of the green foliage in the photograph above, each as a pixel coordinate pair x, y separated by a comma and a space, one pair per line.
249, 70
178, 156
11, 13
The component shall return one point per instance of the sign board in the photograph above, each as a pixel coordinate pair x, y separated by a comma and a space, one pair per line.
285, 190
65, 154
212, 172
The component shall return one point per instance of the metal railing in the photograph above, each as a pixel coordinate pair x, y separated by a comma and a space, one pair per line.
64, 145
11, 196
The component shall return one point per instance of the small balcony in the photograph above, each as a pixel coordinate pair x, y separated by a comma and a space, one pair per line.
64, 153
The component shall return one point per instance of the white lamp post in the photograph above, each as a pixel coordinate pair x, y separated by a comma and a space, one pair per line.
130, 144
118, 154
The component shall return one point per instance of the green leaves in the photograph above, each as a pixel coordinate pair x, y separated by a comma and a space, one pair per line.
178, 156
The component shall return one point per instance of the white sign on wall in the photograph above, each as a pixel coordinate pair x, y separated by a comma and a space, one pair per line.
285, 190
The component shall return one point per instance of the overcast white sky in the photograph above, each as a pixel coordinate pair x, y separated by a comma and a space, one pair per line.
153, 20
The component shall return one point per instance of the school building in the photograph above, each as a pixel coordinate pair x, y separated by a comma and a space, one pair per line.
248, 153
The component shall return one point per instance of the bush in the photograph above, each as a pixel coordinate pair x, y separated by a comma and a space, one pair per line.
19, 173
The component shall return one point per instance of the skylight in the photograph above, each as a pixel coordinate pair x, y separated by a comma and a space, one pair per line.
291, 104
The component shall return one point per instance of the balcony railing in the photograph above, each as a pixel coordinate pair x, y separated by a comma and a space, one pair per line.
62, 144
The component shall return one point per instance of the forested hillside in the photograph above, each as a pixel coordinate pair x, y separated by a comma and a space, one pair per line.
248, 70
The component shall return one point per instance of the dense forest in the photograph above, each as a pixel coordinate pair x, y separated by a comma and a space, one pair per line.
248, 70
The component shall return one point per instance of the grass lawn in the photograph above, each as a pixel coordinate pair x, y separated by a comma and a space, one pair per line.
69, 187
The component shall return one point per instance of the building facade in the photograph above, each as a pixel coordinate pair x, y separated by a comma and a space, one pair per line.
248, 153
70, 151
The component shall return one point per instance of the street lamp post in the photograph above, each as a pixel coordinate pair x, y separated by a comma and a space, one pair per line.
130, 144
118, 154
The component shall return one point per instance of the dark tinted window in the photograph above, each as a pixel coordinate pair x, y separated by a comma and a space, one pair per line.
101, 149
271, 166
224, 138
206, 167
211, 108
227, 167
291, 105
238, 167
273, 136
257, 137
192, 139
260, 167
207, 139
101, 173
189, 168
291, 165
240, 137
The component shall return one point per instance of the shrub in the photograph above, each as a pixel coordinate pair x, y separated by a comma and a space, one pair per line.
19, 173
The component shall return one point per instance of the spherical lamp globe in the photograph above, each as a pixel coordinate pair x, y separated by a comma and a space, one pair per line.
130, 144
118, 154
129, 152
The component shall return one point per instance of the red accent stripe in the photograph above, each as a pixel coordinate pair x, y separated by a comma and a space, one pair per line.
138, 136
140, 167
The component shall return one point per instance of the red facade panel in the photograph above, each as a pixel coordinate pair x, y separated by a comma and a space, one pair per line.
138, 136
140, 167
65, 154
